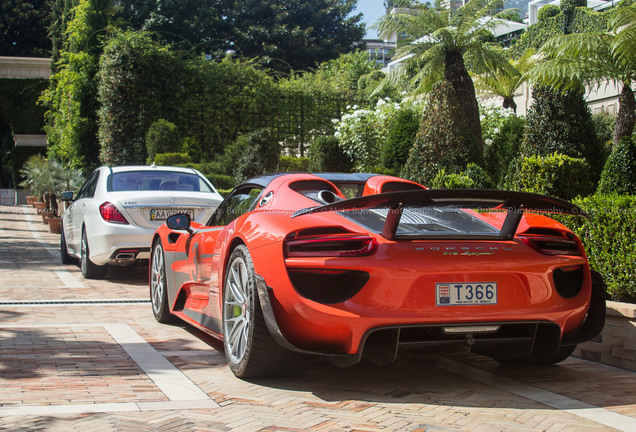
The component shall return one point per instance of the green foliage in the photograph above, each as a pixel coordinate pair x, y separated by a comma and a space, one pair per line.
23, 28
47, 176
400, 139
548, 11
562, 123
137, 86
443, 141
211, 170
326, 155
604, 125
609, 237
619, 173
555, 175
512, 14
260, 154
362, 133
503, 133
71, 99
293, 164
162, 137
172, 159
473, 177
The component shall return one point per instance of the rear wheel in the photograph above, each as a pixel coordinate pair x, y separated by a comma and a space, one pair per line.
158, 287
250, 350
548, 360
90, 270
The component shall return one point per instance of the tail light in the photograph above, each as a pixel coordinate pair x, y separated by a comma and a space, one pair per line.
553, 245
334, 245
111, 214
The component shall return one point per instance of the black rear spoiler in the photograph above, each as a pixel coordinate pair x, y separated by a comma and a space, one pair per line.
514, 202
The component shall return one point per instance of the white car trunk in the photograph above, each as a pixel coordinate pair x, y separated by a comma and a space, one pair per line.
152, 209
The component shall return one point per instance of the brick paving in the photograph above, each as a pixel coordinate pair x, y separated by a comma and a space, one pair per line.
61, 369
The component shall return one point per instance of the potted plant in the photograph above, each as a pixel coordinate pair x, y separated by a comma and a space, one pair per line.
64, 179
31, 171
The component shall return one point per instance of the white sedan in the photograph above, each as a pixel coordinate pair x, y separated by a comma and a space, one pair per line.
117, 210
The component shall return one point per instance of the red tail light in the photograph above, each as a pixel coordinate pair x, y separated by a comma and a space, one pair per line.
110, 214
338, 245
552, 245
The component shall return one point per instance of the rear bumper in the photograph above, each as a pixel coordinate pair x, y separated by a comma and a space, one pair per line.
511, 339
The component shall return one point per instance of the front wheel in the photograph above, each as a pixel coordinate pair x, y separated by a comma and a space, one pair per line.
250, 350
64, 255
89, 269
158, 287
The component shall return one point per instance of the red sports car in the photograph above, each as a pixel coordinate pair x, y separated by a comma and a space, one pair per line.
353, 266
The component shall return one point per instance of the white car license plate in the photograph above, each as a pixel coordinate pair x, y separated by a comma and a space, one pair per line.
163, 214
474, 293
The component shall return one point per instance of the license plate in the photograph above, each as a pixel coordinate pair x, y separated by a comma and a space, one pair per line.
474, 293
163, 214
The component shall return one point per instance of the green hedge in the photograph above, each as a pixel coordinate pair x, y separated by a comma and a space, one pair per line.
293, 164
555, 175
619, 174
171, 159
609, 237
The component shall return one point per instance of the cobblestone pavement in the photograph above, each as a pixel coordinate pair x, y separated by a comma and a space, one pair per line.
78, 355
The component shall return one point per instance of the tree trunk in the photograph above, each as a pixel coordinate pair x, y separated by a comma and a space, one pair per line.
509, 102
626, 114
455, 72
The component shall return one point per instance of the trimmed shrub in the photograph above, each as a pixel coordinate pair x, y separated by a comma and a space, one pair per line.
172, 159
293, 164
326, 155
400, 139
562, 123
619, 174
609, 237
162, 137
473, 177
260, 154
548, 11
555, 175
444, 139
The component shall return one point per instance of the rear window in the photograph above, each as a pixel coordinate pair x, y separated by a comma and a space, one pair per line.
423, 221
157, 181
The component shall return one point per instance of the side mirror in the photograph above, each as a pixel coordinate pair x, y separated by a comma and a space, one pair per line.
66, 196
179, 222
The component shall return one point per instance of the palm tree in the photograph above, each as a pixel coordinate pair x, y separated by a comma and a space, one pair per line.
504, 83
441, 44
593, 58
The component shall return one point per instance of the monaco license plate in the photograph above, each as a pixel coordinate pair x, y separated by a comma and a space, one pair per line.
474, 293
163, 214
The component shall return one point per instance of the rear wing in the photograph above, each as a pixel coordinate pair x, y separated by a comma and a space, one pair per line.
514, 202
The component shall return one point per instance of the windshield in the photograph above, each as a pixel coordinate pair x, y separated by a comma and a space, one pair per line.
156, 181
422, 221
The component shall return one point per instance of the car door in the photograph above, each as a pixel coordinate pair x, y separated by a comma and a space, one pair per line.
74, 215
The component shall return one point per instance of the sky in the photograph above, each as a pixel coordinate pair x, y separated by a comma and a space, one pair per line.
372, 10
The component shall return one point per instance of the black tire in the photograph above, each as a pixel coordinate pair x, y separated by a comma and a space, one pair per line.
250, 350
65, 257
90, 270
549, 360
158, 286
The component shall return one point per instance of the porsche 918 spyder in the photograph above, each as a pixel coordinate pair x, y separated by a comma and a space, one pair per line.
364, 266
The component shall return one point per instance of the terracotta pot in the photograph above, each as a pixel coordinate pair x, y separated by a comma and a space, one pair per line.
30, 199
55, 224
39, 206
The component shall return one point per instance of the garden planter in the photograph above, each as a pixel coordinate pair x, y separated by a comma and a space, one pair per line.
39, 206
54, 224
30, 199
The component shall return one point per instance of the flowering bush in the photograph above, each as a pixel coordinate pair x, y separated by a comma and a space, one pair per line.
362, 132
503, 132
